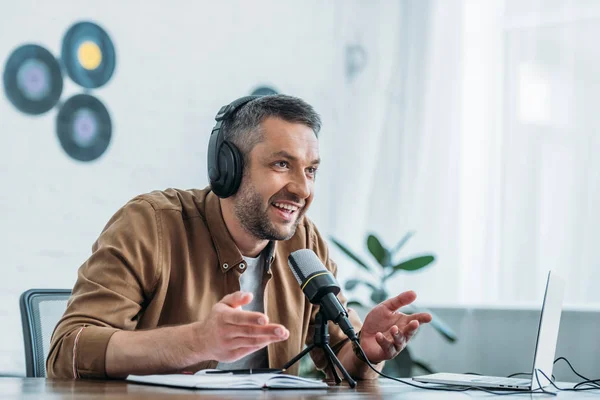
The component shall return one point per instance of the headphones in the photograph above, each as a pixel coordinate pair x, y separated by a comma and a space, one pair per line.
225, 161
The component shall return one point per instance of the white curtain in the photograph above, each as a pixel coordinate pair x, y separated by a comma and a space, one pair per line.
396, 138
551, 140
474, 124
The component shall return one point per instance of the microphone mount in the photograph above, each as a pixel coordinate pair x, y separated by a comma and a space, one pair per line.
321, 340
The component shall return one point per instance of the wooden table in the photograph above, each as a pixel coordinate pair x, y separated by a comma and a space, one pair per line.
40, 388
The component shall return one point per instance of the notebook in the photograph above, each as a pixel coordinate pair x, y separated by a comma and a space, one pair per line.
543, 355
202, 380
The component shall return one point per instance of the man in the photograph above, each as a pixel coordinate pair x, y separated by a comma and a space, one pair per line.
187, 280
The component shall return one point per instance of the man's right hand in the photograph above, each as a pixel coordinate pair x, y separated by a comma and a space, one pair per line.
230, 333
227, 334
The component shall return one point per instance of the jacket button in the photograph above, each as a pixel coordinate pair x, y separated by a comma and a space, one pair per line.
242, 266
225, 266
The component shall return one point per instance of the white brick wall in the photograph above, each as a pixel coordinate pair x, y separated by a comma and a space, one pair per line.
177, 63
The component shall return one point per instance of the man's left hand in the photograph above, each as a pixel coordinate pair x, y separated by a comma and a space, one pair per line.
386, 331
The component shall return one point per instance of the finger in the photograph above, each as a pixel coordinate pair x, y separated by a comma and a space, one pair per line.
410, 329
423, 317
386, 345
237, 299
273, 330
399, 301
398, 337
242, 352
255, 341
240, 317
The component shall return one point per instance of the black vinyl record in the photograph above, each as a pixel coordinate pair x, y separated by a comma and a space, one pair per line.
33, 80
264, 91
88, 55
84, 127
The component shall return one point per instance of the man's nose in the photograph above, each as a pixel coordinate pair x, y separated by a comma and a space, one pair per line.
301, 186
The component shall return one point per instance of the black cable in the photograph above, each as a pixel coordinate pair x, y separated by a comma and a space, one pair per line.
595, 383
528, 374
590, 381
563, 389
538, 381
519, 373
460, 388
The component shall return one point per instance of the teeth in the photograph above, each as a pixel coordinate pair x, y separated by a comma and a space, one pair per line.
286, 206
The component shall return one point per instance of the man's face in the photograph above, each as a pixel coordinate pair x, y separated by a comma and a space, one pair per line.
278, 184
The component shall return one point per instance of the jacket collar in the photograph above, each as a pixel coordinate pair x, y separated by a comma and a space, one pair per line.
227, 252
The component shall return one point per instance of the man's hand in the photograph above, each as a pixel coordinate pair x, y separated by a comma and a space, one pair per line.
386, 331
230, 333
227, 334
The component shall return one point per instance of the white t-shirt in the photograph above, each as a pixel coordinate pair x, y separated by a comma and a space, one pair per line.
252, 281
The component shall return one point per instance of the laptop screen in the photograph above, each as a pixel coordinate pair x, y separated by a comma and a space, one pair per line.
545, 347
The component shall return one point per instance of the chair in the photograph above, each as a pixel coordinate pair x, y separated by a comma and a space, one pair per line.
41, 309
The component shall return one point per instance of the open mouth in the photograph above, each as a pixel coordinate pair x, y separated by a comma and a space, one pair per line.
285, 211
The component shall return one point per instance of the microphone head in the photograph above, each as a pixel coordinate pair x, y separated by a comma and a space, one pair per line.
320, 287
312, 276
304, 263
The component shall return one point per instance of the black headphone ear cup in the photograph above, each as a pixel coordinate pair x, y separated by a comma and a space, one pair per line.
231, 167
225, 162
238, 167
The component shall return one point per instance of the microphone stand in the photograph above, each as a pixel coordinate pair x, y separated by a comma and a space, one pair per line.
321, 340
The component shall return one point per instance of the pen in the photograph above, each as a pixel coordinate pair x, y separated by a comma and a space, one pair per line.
248, 371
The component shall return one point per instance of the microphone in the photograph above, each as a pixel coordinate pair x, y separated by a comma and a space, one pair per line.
321, 288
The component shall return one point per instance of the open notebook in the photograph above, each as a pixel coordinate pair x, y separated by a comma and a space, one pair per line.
201, 380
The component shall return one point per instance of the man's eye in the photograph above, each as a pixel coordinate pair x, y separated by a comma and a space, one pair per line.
282, 164
311, 170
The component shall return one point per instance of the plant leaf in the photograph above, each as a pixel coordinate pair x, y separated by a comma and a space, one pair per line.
378, 296
443, 328
402, 242
349, 253
381, 254
423, 366
415, 263
411, 265
352, 283
354, 303
440, 325
437, 323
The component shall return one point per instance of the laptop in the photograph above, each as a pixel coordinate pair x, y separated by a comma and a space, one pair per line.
543, 358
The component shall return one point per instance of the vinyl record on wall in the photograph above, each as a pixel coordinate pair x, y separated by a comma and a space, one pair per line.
88, 55
84, 127
32, 79
263, 91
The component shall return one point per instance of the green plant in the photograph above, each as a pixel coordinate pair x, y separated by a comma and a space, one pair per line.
388, 265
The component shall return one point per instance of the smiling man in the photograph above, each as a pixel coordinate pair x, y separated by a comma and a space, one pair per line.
180, 281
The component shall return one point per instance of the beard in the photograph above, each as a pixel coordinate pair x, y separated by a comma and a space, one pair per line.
253, 214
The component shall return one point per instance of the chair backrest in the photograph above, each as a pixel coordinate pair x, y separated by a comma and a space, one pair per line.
41, 309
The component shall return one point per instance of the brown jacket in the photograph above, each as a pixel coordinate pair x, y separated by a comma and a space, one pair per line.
166, 258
